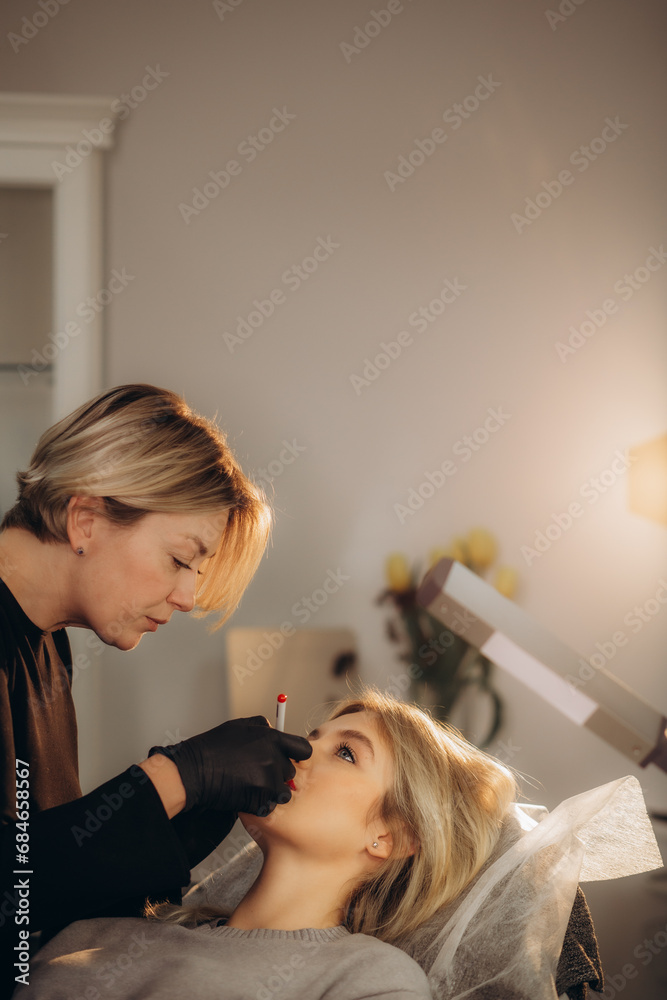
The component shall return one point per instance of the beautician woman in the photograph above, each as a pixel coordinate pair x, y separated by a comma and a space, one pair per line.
133, 508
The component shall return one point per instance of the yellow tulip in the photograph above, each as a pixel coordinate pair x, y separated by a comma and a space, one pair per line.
457, 550
398, 573
435, 555
481, 547
506, 581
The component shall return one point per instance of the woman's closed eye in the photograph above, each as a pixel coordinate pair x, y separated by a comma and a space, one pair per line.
348, 751
181, 565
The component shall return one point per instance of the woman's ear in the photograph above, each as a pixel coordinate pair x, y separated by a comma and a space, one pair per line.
381, 847
384, 844
82, 513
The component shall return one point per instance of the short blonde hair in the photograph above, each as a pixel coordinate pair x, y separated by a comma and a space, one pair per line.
143, 450
448, 801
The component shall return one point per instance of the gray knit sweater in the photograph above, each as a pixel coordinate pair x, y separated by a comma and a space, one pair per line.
123, 959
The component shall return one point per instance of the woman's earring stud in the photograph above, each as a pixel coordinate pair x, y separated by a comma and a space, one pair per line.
79, 551
375, 843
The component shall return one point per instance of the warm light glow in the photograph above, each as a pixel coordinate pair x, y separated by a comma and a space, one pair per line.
647, 480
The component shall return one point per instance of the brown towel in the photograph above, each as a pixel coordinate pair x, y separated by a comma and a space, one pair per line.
579, 961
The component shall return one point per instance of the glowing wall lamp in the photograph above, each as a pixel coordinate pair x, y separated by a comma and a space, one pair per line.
647, 480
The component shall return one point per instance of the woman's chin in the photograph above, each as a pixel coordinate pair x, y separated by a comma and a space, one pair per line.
124, 640
262, 828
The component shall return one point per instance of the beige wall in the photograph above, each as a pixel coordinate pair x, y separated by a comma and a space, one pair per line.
552, 83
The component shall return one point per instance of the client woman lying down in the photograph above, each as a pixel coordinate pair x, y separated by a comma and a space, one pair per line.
390, 819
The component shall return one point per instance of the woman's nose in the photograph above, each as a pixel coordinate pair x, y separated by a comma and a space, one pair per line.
302, 765
183, 595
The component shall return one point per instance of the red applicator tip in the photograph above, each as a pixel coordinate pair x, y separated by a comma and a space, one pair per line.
280, 713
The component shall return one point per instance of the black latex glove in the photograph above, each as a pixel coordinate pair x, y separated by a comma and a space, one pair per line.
240, 766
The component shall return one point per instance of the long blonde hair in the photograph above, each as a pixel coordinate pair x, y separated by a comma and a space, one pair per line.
142, 449
445, 809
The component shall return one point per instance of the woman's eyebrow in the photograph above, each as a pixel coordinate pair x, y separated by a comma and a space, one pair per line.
349, 734
203, 551
198, 542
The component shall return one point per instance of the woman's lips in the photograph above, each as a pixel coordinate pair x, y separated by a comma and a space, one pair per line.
156, 621
291, 784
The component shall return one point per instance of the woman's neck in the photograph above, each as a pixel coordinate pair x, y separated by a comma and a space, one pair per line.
293, 892
37, 575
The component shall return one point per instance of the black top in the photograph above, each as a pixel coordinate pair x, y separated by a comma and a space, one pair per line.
99, 854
